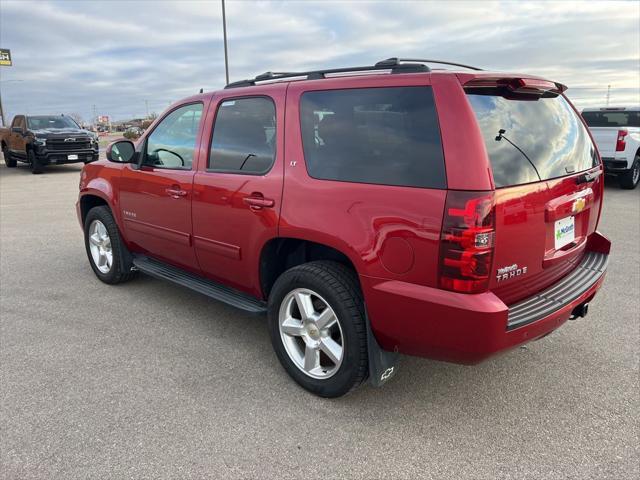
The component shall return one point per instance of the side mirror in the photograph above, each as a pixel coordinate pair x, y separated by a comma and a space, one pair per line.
122, 151
17, 130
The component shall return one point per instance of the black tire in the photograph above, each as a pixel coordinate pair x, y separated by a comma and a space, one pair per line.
338, 286
121, 268
630, 179
9, 161
34, 163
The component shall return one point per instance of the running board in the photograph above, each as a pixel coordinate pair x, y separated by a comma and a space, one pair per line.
230, 296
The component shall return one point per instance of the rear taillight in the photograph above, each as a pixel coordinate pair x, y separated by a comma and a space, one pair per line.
621, 143
467, 241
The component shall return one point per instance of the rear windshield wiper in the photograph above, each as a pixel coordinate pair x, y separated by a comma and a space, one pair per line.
501, 135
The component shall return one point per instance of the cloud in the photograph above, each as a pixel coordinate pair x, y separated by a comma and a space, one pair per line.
121, 56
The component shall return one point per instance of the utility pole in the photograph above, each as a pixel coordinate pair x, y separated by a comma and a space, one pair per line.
4, 122
95, 116
608, 94
146, 104
224, 33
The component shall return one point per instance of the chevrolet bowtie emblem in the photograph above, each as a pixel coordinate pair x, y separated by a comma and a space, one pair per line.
579, 205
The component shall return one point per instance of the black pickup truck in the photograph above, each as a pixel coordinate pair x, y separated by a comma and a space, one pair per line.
41, 140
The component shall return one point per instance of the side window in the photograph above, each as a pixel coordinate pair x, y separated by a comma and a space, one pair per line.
172, 143
385, 136
244, 136
19, 122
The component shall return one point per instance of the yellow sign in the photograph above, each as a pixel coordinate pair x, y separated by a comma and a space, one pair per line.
5, 57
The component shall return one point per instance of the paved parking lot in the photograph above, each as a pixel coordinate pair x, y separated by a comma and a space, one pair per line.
148, 380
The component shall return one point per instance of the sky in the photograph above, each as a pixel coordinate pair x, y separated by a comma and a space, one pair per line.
124, 58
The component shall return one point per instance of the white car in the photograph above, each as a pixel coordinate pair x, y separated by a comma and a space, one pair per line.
616, 131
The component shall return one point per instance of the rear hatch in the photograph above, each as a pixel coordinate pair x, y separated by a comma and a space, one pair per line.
548, 184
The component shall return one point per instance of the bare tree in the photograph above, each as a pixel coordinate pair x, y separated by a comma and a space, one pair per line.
77, 117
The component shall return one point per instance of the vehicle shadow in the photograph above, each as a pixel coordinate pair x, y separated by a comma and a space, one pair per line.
433, 384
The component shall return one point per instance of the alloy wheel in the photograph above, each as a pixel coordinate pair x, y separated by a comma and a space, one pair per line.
100, 246
311, 333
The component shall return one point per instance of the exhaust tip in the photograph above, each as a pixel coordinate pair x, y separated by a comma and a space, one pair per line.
580, 311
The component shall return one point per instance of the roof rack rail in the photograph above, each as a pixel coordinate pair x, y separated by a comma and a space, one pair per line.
394, 61
317, 74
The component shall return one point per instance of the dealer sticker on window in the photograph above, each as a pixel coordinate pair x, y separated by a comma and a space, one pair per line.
564, 232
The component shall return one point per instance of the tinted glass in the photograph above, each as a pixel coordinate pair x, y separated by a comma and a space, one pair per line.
542, 138
172, 143
244, 136
612, 119
387, 136
42, 122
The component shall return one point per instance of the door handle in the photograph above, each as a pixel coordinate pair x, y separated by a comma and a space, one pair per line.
258, 202
176, 192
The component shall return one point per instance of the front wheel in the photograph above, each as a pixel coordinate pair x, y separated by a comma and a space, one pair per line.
629, 179
108, 256
36, 166
317, 327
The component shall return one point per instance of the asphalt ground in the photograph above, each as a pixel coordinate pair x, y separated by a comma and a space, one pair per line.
148, 380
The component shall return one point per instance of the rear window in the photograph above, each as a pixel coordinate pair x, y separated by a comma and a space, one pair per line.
612, 119
386, 136
531, 139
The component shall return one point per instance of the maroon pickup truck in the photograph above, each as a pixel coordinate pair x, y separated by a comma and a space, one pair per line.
368, 211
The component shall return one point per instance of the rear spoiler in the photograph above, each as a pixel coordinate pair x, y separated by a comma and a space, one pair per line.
518, 85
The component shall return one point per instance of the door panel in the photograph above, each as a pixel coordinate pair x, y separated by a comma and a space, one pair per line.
17, 142
156, 197
236, 212
155, 221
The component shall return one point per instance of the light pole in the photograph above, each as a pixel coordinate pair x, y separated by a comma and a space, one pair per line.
224, 33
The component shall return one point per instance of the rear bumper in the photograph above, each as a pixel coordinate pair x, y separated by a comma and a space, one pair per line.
463, 328
615, 165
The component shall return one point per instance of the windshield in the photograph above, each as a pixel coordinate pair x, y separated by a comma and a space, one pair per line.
44, 122
531, 139
612, 119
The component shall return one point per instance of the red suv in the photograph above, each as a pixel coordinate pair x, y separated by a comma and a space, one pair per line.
369, 211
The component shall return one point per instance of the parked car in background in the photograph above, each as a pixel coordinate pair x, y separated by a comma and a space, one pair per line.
616, 131
133, 132
449, 214
41, 140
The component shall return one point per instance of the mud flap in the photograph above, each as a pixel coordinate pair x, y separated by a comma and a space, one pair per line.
383, 364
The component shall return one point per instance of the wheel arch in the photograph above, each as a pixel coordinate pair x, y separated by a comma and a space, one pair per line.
280, 254
89, 201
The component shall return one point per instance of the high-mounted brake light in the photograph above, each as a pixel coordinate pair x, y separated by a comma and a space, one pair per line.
467, 242
534, 86
621, 142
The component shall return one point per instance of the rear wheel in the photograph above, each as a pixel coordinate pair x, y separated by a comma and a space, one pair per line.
108, 256
8, 159
318, 329
36, 167
630, 179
